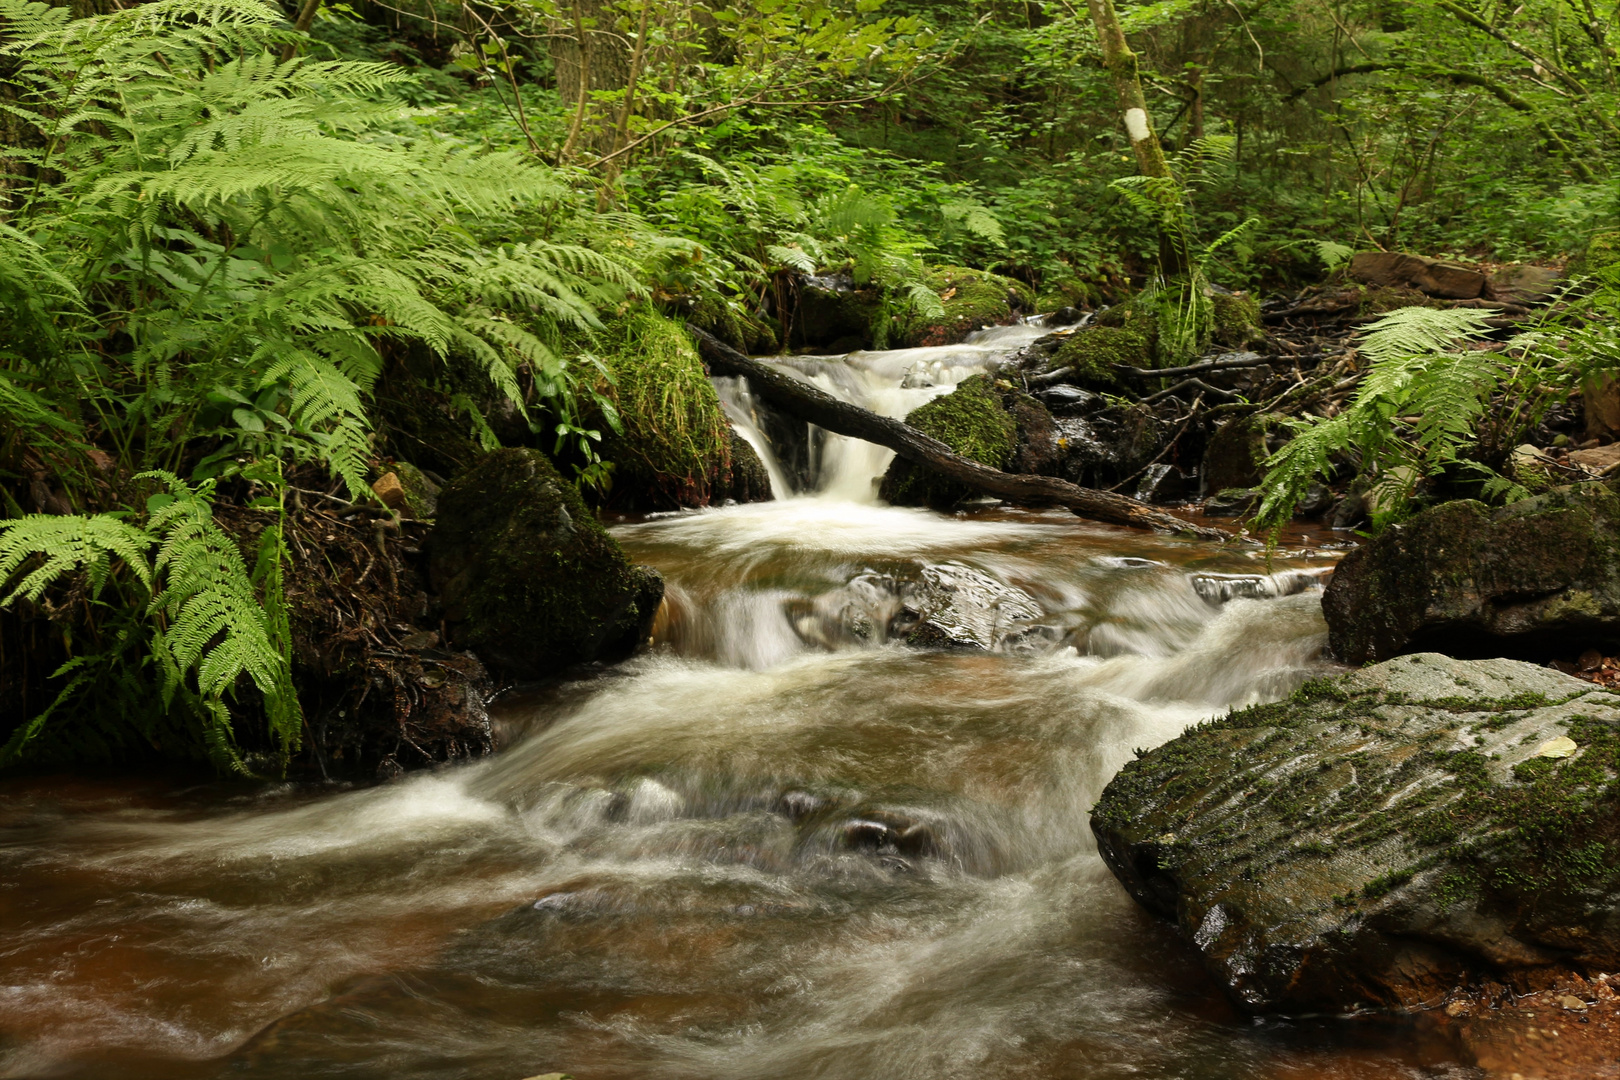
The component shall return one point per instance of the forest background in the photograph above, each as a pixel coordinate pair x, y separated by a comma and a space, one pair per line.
240, 242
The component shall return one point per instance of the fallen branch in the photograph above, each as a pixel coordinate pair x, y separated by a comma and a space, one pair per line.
808, 403
1193, 369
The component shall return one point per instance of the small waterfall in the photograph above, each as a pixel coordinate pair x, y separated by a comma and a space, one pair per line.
889, 382
737, 401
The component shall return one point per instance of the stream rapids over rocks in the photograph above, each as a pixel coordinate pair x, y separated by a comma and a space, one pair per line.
784, 842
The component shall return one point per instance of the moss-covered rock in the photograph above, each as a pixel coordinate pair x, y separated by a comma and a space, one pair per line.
527, 577
1234, 320
972, 421
1382, 837
676, 445
1600, 253
1532, 579
972, 299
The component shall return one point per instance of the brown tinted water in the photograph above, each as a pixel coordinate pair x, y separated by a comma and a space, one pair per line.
777, 845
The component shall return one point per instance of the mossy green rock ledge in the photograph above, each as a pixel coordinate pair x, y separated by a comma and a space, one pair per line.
1383, 837
528, 578
1538, 579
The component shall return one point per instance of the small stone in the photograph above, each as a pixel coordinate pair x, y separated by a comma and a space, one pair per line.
1460, 1007
425, 639
1572, 1003
392, 493
1561, 747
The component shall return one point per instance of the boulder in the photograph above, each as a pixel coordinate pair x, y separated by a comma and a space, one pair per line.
1430, 276
972, 421
1385, 836
972, 299
954, 606
527, 577
1526, 580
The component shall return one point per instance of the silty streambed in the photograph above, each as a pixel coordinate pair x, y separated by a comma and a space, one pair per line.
782, 844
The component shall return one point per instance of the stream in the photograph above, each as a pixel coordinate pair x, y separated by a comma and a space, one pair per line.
782, 843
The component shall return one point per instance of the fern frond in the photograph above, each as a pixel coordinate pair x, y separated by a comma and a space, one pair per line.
67, 543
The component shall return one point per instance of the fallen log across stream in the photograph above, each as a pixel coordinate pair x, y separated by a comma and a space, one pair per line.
809, 403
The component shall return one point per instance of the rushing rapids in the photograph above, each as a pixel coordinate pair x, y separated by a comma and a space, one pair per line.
783, 842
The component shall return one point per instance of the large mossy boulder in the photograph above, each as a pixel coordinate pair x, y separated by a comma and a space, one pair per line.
527, 577
972, 299
676, 448
1384, 837
1537, 579
972, 421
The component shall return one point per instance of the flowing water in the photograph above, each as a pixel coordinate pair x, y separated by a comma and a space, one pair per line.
783, 843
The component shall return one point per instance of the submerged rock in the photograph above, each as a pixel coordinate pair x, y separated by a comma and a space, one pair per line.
528, 578
1385, 836
1524, 580
954, 606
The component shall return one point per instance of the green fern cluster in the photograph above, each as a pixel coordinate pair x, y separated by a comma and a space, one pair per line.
1416, 412
1180, 295
208, 255
206, 625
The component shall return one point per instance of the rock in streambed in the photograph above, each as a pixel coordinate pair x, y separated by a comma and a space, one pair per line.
528, 578
1383, 837
1524, 580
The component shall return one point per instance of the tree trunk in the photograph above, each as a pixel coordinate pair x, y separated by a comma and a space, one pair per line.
590, 58
1150, 160
806, 402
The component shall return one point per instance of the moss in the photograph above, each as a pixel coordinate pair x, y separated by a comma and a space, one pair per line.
972, 299
675, 447
1380, 299
1235, 320
1600, 253
528, 577
972, 421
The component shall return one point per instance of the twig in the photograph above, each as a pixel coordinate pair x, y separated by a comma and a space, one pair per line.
1191, 414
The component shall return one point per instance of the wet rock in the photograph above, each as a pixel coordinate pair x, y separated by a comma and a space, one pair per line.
1220, 588
1349, 512
1523, 580
1066, 400
833, 315
1162, 483
1384, 836
1233, 502
1434, 278
1233, 456
748, 479
888, 833
1109, 446
1318, 501
954, 606
1065, 316
528, 578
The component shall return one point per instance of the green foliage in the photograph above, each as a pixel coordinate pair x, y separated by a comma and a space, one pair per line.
207, 627
1417, 409
672, 437
251, 245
